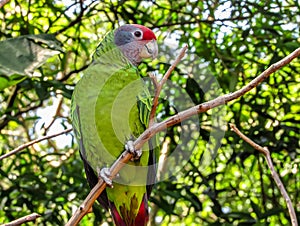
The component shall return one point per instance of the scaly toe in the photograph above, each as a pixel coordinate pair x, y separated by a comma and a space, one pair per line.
104, 173
130, 147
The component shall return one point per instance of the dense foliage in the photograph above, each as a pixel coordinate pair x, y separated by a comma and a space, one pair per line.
233, 41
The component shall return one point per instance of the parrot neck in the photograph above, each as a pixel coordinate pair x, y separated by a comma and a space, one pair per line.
108, 53
132, 56
140, 219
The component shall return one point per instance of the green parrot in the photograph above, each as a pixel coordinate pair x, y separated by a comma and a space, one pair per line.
110, 107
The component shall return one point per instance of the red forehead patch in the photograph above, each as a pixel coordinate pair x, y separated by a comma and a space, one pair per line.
148, 34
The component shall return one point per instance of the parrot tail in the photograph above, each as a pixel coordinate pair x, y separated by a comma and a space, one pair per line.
141, 219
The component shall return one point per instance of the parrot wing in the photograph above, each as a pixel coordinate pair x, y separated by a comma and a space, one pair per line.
90, 174
145, 105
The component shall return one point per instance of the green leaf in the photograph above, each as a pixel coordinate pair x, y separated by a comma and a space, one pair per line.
22, 55
10, 81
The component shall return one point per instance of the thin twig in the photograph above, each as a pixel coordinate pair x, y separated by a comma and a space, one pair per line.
158, 127
159, 85
54, 117
154, 79
23, 146
22, 220
266, 153
78, 19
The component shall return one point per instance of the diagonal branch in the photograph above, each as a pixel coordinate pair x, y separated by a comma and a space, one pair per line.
266, 153
23, 146
159, 85
3, 2
158, 127
22, 220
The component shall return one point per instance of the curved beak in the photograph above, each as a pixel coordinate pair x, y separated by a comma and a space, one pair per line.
149, 50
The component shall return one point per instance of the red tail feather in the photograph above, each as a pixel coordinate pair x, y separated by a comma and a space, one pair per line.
141, 218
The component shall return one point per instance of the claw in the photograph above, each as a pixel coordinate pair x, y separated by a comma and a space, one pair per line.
130, 147
104, 173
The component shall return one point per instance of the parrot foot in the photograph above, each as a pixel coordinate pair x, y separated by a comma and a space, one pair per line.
104, 173
130, 147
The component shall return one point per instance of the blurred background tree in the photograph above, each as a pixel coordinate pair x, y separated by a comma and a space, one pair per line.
236, 40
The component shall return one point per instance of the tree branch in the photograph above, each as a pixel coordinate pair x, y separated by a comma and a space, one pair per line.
78, 19
208, 21
3, 2
67, 76
23, 146
5, 119
54, 117
158, 127
22, 220
159, 85
266, 153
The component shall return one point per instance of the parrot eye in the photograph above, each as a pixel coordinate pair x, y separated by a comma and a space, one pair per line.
138, 34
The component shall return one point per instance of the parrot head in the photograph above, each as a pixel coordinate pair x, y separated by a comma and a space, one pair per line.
136, 42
